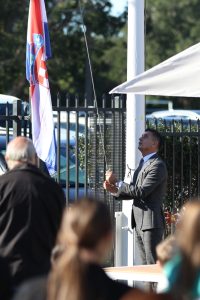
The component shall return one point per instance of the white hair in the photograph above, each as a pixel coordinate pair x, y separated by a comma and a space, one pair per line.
20, 150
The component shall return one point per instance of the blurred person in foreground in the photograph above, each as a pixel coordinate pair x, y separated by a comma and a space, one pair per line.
165, 251
183, 270
137, 295
85, 238
5, 280
147, 189
31, 207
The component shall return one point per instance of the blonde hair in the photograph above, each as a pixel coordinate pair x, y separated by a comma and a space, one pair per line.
84, 224
188, 232
166, 249
188, 241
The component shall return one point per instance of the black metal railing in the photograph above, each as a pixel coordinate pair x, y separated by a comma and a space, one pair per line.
99, 139
14, 121
83, 135
181, 151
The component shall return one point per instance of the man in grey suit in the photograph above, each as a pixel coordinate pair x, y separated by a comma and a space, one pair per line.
147, 190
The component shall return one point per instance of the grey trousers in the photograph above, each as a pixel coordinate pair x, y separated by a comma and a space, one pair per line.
147, 240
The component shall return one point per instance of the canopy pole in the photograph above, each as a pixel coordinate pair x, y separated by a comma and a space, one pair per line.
135, 107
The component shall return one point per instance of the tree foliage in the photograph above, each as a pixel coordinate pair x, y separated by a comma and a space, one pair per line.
171, 27
13, 16
68, 69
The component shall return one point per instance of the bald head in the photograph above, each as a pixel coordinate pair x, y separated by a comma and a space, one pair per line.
20, 150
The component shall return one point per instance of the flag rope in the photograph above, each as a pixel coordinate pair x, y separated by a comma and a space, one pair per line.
93, 85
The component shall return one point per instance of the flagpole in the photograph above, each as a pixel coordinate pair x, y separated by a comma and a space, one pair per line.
135, 113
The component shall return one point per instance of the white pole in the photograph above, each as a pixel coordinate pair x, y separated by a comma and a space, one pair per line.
135, 104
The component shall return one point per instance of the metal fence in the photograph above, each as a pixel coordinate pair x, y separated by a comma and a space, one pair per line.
99, 143
181, 151
83, 135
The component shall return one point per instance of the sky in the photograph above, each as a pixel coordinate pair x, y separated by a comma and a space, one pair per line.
118, 6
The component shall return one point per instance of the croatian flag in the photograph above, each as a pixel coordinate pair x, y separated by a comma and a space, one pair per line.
38, 50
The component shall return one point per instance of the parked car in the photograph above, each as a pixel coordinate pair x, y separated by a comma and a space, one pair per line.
9, 101
158, 105
174, 114
74, 130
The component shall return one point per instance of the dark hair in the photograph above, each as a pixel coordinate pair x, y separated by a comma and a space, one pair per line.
156, 135
84, 224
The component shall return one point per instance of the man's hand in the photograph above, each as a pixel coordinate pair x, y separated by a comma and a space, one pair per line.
111, 177
110, 187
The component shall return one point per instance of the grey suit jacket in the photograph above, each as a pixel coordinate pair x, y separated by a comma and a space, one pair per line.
147, 191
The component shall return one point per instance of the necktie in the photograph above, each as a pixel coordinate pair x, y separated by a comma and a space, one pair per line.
141, 164
138, 170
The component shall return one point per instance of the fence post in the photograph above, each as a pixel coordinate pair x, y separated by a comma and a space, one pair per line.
17, 121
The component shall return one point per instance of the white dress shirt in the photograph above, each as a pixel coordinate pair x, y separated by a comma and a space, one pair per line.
120, 183
148, 156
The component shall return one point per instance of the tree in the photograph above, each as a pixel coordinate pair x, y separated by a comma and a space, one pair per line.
13, 16
115, 58
171, 26
68, 70
71, 72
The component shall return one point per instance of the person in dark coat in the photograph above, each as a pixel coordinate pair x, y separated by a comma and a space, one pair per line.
32, 289
31, 207
5, 280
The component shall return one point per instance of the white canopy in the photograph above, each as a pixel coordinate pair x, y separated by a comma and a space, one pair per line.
176, 76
